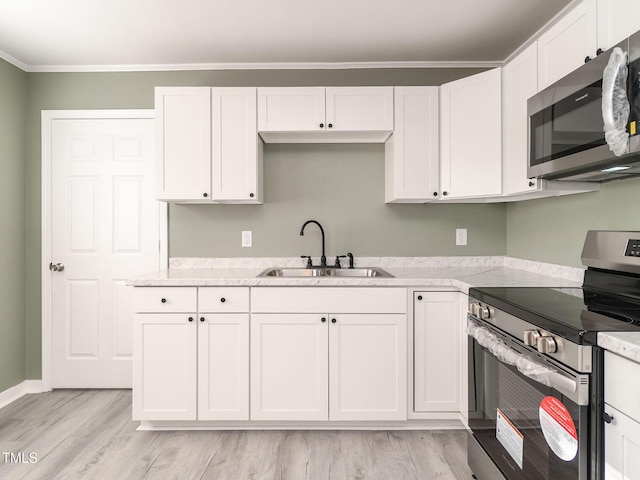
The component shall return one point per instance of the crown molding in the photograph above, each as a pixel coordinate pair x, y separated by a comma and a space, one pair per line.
259, 66
14, 61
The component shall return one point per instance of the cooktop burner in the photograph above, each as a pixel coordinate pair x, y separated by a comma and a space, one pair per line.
577, 314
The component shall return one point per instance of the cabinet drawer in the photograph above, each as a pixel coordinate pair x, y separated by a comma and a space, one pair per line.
223, 299
621, 390
328, 300
164, 299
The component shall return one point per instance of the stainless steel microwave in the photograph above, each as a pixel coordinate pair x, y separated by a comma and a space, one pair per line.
566, 127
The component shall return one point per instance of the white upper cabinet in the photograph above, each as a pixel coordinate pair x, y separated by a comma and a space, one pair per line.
470, 136
565, 46
617, 19
412, 152
236, 158
208, 150
183, 136
319, 114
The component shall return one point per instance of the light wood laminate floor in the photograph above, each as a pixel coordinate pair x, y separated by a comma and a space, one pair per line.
88, 434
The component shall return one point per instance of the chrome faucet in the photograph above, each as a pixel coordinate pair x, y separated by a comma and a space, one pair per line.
323, 258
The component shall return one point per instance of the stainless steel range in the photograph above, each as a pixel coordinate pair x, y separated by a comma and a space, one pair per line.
536, 372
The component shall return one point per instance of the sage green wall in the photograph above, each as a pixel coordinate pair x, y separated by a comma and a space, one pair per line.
215, 230
553, 230
12, 234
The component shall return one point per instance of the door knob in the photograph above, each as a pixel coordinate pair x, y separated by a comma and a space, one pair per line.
57, 267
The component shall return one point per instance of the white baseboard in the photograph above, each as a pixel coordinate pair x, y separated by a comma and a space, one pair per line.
14, 393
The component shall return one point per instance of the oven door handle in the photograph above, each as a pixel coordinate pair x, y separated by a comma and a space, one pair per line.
534, 370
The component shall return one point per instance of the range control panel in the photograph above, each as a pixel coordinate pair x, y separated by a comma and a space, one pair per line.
633, 248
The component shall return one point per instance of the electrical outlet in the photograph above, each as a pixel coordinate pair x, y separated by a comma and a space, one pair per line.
461, 236
247, 238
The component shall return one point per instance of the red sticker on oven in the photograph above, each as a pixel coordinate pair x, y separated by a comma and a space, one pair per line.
558, 428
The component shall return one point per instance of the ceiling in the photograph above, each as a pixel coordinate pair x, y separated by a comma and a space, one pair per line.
82, 35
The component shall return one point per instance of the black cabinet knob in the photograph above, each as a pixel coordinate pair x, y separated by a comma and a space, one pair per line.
163, 300
251, 195
587, 59
323, 319
322, 125
333, 320
445, 193
599, 51
607, 418
191, 319
531, 184
205, 195
435, 194
223, 299
419, 297
330, 125
202, 319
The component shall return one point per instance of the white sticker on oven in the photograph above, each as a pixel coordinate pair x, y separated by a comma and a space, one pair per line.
510, 437
558, 428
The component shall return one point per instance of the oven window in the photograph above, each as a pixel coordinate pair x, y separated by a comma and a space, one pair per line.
571, 125
501, 391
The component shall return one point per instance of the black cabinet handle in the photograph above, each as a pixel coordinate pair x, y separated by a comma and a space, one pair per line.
191, 319
587, 59
251, 195
323, 319
599, 51
163, 300
205, 195
445, 193
330, 125
531, 184
223, 299
607, 418
333, 320
202, 319
419, 297
435, 194
322, 125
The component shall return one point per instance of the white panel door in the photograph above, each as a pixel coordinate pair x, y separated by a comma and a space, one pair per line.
622, 446
291, 109
289, 367
437, 351
223, 366
236, 155
105, 229
359, 108
367, 367
563, 47
412, 153
164, 369
470, 136
617, 19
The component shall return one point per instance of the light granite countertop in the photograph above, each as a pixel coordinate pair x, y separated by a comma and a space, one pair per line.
460, 273
625, 344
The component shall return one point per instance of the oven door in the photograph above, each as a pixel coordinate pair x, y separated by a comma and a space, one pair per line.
529, 417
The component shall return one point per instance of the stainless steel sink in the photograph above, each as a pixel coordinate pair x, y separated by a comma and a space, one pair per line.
325, 272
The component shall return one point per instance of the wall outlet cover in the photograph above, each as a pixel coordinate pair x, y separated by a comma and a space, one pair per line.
461, 236
247, 238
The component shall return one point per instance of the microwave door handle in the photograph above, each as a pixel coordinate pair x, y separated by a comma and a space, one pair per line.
535, 371
615, 104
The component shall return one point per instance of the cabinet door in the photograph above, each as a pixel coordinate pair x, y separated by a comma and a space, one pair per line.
563, 47
412, 152
236, 158
223, 366
437, 352
367, 367
183, 135
164, 366
291, 109
622, 446
470, 136
289, 367
617, 20
519, 83
359, 108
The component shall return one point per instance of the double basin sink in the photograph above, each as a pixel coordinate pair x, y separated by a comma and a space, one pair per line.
325, 272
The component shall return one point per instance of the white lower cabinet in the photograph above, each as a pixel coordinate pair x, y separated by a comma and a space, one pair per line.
437, 352
190, 365
347, 366
622, 404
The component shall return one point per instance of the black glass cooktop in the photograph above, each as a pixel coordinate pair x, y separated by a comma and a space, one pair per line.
577, 314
